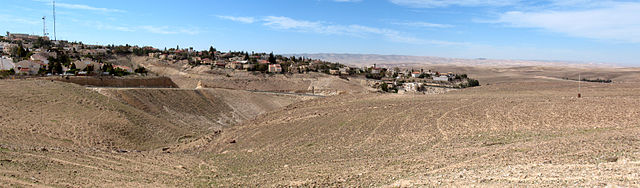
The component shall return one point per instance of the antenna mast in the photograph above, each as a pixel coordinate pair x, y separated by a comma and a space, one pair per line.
44, 26
55, 37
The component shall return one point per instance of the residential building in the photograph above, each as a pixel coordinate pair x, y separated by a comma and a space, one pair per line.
248, 66
27, 67
345, 70
6, 63
334, 72
155, 54
413, 87
220, 64
43, 56
236, 65
441, 78
6, 48
375, 70
275, 68
415, 74
83, 64
2, 44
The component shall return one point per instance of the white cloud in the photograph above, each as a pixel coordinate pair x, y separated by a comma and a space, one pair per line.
281, 22
238, 19
614, 21
423, 24
286, 23
446, 3
347, 1
165, 30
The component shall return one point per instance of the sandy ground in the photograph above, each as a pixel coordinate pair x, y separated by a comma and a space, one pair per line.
528, 131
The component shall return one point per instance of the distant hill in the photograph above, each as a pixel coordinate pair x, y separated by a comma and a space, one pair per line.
402, 60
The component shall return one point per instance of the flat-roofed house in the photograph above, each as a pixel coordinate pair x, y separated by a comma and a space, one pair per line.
275, 68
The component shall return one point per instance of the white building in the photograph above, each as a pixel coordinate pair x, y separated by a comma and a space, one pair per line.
413, 87
441, 78
6, 63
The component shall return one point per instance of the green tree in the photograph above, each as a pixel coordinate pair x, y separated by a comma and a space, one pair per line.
89, 68
473, 83
141, 70
73, 68
384, 87
272, 59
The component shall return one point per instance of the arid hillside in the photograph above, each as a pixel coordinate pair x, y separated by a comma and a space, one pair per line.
529, 132
533, 133
39, 113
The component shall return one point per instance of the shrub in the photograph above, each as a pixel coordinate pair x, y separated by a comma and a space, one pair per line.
384, 87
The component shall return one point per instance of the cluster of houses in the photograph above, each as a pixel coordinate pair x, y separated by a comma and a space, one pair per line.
413, 81
253, 62
86, 60
38, 57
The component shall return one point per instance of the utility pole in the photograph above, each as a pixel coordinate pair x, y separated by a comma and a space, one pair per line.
579, 80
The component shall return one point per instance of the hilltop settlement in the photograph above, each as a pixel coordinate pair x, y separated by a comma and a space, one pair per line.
26, 55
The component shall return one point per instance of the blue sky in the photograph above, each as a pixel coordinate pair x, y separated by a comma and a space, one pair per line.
572, 30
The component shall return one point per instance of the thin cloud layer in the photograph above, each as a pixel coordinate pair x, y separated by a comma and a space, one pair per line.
238, 19
286, 23
79, 6
446, 3
614, 21
164, 30
423, 24
86, 7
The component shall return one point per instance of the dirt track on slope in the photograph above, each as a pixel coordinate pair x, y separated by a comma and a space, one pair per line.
523, 133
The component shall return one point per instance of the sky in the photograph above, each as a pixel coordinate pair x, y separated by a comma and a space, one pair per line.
604, 31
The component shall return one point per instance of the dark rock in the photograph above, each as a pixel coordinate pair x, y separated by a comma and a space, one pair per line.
611, 159
232, 141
